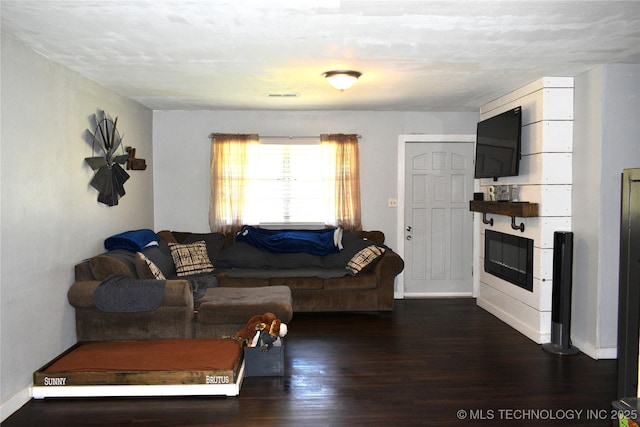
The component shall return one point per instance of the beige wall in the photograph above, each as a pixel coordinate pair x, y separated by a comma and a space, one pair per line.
606, 141
50, 216
182, 149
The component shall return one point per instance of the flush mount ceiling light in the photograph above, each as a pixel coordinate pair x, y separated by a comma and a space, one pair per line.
342, 80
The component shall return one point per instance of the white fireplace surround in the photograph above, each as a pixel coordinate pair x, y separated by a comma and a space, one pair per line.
545, 178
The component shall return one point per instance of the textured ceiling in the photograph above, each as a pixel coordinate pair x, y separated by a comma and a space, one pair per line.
414, 55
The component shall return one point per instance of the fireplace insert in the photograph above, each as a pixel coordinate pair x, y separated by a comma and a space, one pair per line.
509, 257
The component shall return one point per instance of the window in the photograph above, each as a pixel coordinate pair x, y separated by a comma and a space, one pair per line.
294, 181
286, 184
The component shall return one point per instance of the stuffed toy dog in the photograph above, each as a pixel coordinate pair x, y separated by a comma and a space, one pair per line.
262, 330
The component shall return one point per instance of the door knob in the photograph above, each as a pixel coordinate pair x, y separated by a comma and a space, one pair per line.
409, 228
408, 237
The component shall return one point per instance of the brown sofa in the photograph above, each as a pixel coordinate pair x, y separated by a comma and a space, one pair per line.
318, 284
174, 317
282, 283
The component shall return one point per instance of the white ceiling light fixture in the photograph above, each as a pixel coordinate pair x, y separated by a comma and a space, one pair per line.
342, 80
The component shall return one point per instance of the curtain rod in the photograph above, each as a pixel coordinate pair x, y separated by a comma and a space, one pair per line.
284, 137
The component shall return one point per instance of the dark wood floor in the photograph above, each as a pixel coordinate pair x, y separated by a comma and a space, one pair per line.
433, 362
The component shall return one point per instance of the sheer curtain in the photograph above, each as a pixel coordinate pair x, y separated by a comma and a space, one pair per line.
341, 152
228, 175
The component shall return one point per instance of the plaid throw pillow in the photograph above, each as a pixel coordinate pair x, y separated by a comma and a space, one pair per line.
365, 259
190, 258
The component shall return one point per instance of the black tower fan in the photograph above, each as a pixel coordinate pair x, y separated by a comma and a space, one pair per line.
561, 295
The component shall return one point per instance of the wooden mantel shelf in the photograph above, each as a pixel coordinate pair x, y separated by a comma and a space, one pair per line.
520, 209
512, 209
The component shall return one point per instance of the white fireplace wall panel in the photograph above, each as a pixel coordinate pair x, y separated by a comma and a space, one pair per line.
539, 298
552, 100
545, 178
544, 168
554, 200
548, 137
522, 317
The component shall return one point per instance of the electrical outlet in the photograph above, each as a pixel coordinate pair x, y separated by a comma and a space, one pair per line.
392, 203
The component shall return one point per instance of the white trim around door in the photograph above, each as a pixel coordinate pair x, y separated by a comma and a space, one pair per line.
402, 140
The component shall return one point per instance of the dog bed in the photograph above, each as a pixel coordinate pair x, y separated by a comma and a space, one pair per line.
172, 367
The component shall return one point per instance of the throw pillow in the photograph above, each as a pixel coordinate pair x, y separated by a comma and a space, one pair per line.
146, 269
352, 245
161, 257
214, 242
365, 259
190, 258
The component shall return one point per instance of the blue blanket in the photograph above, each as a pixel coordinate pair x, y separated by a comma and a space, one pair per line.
316, 242
135, 240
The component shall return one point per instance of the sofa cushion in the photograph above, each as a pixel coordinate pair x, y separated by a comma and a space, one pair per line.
190, 258
365, 259
161, 257
225, 281
146, 269
296, 283
242, 255
266, 273
238, 305
115, 262
293, 260
214, 242
361, 281
352, 244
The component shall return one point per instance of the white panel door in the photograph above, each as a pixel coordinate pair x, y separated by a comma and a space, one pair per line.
438, 224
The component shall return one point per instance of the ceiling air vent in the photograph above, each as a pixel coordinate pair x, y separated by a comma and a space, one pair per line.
283, 95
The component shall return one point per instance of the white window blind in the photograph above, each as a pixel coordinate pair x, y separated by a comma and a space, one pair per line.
288, 183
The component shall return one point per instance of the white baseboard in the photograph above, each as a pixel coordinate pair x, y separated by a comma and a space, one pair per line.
594, 352
14, 403
586, 348
535, 335
416, 295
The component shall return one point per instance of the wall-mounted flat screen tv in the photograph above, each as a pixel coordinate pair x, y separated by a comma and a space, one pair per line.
498, 145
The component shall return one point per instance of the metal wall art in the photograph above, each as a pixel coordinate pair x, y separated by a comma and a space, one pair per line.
109, 176
133, 163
